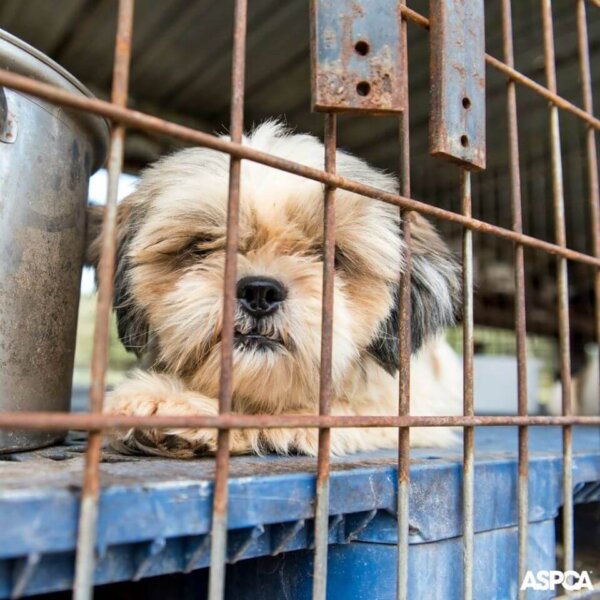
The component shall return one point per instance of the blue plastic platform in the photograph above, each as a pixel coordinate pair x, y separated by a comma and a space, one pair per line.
155, 516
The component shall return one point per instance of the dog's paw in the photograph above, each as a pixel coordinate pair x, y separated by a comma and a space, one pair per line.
170, 443
151, 394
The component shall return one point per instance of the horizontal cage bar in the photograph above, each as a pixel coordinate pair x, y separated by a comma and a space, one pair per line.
91, 422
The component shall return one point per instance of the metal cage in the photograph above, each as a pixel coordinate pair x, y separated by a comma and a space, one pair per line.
95, 422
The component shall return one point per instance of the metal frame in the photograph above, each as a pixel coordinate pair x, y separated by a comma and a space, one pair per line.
95, 422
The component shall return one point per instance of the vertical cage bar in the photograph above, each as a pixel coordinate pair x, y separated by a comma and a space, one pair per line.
591, 151
520, 314
404, 339
88, 516
468, 432
323, 460
218, 548
563, 286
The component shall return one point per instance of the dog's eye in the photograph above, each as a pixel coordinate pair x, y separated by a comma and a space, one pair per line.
197, 248
197, 251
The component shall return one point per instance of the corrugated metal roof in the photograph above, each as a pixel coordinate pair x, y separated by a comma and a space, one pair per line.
181, 70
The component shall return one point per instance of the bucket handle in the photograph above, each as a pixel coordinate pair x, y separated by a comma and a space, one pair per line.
8, 120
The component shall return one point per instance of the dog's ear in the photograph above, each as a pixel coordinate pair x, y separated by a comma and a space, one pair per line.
434, 293
93, 229
131, 321
435, 282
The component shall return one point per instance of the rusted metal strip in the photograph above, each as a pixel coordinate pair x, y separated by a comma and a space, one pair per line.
87, 422
457, 51
88, 515
404, 343
520, 316
517, 76
323, 460
51, 421
563, 287
218, 549
469, 432
592, 155
354, 50
138, 120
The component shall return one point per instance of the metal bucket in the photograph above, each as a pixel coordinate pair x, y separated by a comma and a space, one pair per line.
47, 154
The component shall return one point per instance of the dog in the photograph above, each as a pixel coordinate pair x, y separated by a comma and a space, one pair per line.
169, 293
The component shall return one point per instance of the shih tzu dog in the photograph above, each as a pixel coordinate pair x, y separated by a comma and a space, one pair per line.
169, 293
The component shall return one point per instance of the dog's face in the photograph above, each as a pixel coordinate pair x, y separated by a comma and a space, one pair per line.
170, 270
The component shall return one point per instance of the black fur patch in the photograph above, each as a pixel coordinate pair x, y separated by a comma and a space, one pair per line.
432, 309
385, 347
131, 322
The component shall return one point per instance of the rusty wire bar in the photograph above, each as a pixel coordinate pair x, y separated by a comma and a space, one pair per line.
520, 315
138, 120
404, 340
88, 515
563, 286
324, 452
218, 547
86, 422
592, 156
468, 432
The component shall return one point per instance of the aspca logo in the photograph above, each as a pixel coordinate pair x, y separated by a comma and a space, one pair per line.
572, 581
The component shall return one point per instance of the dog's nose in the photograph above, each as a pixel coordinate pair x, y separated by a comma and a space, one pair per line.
260, 296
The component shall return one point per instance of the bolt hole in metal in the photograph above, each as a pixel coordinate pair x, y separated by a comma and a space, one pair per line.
363, 88
362, 47
466, 102
464, 141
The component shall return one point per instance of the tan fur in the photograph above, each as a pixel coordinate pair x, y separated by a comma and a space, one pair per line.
170, 293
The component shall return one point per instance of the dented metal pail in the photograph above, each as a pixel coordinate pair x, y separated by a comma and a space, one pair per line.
47, 154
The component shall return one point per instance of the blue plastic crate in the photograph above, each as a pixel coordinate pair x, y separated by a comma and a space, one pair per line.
155, 516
